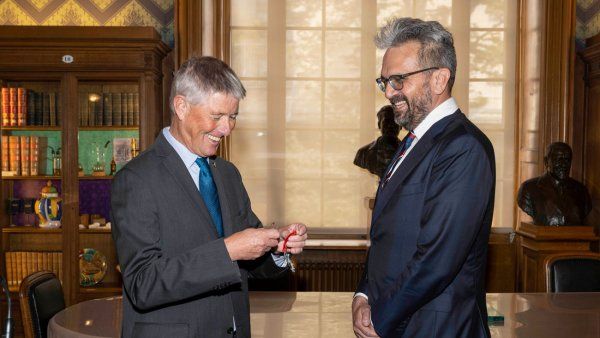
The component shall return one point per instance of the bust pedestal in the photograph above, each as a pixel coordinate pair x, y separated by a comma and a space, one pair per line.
535, 242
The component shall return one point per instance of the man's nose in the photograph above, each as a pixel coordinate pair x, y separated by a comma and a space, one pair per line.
225, 125
390, 92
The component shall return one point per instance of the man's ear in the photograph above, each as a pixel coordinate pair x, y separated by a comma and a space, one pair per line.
440, 80
181, 106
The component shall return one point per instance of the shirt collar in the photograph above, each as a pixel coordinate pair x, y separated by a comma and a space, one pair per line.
188, 157
447, 108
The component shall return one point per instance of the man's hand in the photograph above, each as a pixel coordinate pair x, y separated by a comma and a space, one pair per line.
296, 242
251, 243
361, 318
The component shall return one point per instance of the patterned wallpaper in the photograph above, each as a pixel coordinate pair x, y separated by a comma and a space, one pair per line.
156, 13
588, 20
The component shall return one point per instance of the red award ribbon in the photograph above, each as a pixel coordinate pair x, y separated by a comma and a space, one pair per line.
293, 232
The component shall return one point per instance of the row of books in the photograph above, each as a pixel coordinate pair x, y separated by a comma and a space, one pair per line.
20, 155
23, 107
109, 109
20, 264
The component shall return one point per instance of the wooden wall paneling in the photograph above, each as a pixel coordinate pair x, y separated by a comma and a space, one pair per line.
188, 30
501, 263
528, 95
545, 73
577, 137
558, 59
591, 130
202, 28
70, 188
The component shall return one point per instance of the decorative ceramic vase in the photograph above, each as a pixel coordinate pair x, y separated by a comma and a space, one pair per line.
49, 207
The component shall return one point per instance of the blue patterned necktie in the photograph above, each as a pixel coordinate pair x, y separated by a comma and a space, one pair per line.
407, 142
208, 191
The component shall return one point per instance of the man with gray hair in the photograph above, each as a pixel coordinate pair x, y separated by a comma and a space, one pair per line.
186, 237
425, 270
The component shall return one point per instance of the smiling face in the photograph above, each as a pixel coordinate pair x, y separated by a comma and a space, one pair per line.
414, 101
201, 127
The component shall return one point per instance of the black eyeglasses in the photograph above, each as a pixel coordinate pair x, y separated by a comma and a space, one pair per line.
397, 81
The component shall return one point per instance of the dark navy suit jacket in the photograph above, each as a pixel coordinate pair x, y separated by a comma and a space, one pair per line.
425, 270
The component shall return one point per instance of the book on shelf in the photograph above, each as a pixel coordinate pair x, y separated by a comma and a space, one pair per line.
5, 157
52, 108
25, 157
130, 108
123, 117
45, 109
107, 113
117, 104
98, 111
34, 144
12, 117
38, 110
21, 106
14, 154
30, 119
20, 264
5, 95
136, 109
20, 155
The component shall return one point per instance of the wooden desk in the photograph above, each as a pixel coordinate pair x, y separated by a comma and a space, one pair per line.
327, 314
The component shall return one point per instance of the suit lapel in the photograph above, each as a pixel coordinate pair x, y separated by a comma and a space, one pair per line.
175, 166
411, 161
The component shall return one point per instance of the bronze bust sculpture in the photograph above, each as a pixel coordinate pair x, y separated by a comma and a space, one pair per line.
376, 155
554, 198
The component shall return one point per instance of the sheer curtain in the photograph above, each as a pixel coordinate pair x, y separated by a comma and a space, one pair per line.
309, 67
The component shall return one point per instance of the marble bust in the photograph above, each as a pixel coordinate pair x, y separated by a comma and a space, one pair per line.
554, 198
376, 155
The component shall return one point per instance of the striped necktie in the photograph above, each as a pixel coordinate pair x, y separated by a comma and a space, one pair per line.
407, 142
208, 191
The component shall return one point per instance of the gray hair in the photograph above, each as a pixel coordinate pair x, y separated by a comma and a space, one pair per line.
199, 77
437, 44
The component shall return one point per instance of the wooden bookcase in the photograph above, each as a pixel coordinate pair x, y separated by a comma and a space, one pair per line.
85, 72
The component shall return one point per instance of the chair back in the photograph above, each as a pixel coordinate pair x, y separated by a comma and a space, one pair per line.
41, 297
573, 272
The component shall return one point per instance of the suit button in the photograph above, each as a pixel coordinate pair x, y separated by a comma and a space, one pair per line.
230, 330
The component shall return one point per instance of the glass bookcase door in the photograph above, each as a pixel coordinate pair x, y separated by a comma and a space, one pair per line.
108, 138
31, 178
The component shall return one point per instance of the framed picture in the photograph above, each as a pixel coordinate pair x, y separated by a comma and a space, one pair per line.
122, 150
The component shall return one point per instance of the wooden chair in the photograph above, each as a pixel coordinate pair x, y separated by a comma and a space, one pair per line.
41, 297
573, 272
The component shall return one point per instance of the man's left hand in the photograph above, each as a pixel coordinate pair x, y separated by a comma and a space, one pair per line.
296, 242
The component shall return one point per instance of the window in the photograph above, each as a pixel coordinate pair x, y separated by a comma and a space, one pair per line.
309, 67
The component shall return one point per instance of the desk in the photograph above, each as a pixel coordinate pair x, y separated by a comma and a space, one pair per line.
327, 314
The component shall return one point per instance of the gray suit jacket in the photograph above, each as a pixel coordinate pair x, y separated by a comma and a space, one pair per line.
178, 278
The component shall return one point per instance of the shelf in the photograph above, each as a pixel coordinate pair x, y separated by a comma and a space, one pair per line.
95, 231
39, 177
101, 288
30, 230
110, 128
90, 177
28, 128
